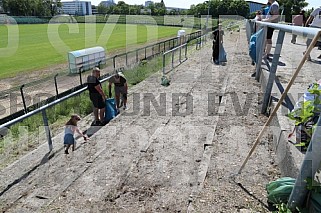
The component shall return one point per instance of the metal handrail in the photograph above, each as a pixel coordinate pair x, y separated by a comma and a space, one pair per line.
309, 32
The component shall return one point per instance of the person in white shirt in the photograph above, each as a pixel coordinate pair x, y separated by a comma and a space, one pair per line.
314, 20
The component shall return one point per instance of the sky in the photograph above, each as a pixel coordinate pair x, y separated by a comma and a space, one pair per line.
188, 3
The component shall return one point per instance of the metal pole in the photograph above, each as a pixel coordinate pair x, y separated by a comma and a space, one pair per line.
80, 77
159, 47
47, 129
208, 14
180, 55
274, 67
56, 85
164, 64
186, 51
153, 52
23, 98
145, 53
309, 167
114, 62
137, 56
173, 59
164, 46
126, 59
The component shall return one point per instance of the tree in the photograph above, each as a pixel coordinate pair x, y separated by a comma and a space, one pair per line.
31, 7
239, 7
292, 7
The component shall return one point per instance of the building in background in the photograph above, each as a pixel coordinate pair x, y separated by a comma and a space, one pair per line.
108, 3
255, 6
78, 8
147, 3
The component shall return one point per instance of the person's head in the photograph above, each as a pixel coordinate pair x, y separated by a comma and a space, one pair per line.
258, 12
96, 72
73, 120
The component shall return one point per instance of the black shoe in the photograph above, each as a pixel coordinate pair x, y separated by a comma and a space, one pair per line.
253, 74
66, 152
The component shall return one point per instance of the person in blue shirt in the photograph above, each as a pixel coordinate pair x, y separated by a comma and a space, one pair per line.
265, 10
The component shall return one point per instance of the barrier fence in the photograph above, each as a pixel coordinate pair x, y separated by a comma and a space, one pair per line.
312, 159
59, 96
29, 96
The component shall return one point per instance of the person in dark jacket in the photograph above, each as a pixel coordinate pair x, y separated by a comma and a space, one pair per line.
219, 55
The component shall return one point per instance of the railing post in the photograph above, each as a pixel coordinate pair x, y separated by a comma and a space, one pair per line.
186, 51
47, 129
137, 56
145, 52
164, 46
159, 51
114, 62
153, 54
126, 59
173, 59
80, 77
164, 63
274, 66
23, 98
180, 54
56, 85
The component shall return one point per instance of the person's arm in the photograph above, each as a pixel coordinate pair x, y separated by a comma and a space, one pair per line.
80, 133
100, 91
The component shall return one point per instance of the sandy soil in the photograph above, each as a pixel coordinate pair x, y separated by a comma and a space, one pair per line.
175, 150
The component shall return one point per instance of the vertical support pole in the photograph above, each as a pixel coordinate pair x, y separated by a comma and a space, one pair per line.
126, 59
23, 98
164, 46
159, 47
47, 129
145, 52
173, 59
186, 51
56, 86
274, 66
137, 56
80, 75
259, 54
153, 54
114, 62
164, 64
180, 54
309, 167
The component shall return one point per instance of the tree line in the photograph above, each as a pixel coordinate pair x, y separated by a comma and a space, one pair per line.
211, 7
31, 7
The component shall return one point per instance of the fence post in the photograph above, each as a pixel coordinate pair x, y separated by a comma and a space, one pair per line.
145, 53
114, 62
80, 77
46, 125
126, 59
23, 98
173, 59
159, 48
153, 54
180, 54
274, 66
164, 64
164, 46
186, 51
137, 56
56, 85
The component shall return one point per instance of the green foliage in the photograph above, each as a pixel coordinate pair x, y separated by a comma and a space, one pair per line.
282, 208
292, 8
217, 8
31, 7
313, 185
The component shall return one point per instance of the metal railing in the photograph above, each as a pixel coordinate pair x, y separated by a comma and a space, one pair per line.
62, 82
312, 159
61, 97
173, 51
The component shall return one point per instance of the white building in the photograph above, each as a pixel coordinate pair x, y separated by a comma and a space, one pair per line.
80, 8
108, 3
147, 3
